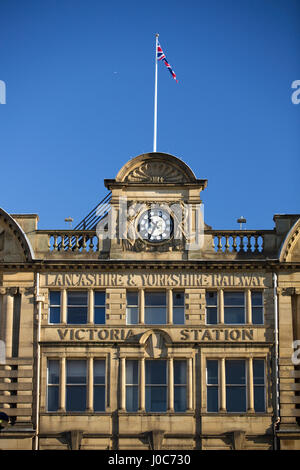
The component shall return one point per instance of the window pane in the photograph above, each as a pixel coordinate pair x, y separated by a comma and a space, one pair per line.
99, 398
156, 399
234, 315
132, 298
179, 372
212, 372
132, 315
235, 372
178, 299
99, 371
156, 372
212, 315
99, 298
132, 398
258, 371
233, 298
99, 315
53, 372
211, 298
155, 298
54, 297
259, 399
212, 399
257, 315
54, 315
53, 395
132, 372
77, 298
236, 399
76, 372
179, 399
257, 298
77, 315
155, 315
76, 398
178, 316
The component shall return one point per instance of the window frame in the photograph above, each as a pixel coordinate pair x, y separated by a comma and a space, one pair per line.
165, 306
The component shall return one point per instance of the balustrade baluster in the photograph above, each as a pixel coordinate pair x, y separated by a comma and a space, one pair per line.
234, 245
55, 244
219, 246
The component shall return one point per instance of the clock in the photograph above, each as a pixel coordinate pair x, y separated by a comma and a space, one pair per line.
155, 225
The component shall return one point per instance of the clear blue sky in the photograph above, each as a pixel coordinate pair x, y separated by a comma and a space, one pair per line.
80, 84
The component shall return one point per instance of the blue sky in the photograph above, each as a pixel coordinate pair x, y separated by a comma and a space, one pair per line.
79, 79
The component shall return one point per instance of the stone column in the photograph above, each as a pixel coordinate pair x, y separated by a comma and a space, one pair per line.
64, 301
142, 306
90, 319
8, 330
170, 384
248, 306
62, 387
222, 385
250, 386
221, 305
123, 384
190, 384
142, 385
90, 384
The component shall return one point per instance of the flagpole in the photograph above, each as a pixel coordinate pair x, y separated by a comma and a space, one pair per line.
155, 97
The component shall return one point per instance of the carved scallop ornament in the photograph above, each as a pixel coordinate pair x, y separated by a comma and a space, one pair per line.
155, 168
290, 250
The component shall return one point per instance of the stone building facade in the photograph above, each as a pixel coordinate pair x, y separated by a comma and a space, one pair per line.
150, 329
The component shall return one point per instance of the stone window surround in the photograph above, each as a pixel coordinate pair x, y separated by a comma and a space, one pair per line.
248, 304
141, 357
62, 358
262, 353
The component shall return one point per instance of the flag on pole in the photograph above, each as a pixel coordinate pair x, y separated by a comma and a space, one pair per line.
161, 56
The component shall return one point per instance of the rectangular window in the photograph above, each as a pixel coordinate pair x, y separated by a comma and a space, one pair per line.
155, 308
132, 308
257, 308
99, 307
235, 385
234, 308
54, 307
259, 385
212, 382
53, 385
76, 385
156, 386
99, 385
180, 388
132, 385
212, 308
77, 307
178, 308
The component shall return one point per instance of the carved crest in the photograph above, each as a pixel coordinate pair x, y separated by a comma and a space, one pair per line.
156, 171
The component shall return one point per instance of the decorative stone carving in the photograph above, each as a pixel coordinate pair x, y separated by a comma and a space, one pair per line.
2, 240
74, 439
238, 440
155, 439
155, 171
155, 345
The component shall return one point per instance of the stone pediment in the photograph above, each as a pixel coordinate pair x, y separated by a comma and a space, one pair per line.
155, 168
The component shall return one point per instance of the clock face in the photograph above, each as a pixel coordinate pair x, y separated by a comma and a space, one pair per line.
155, 225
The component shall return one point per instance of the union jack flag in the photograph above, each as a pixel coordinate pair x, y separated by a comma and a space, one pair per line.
161, 56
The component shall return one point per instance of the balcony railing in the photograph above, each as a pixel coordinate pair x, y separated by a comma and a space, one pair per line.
232, 243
